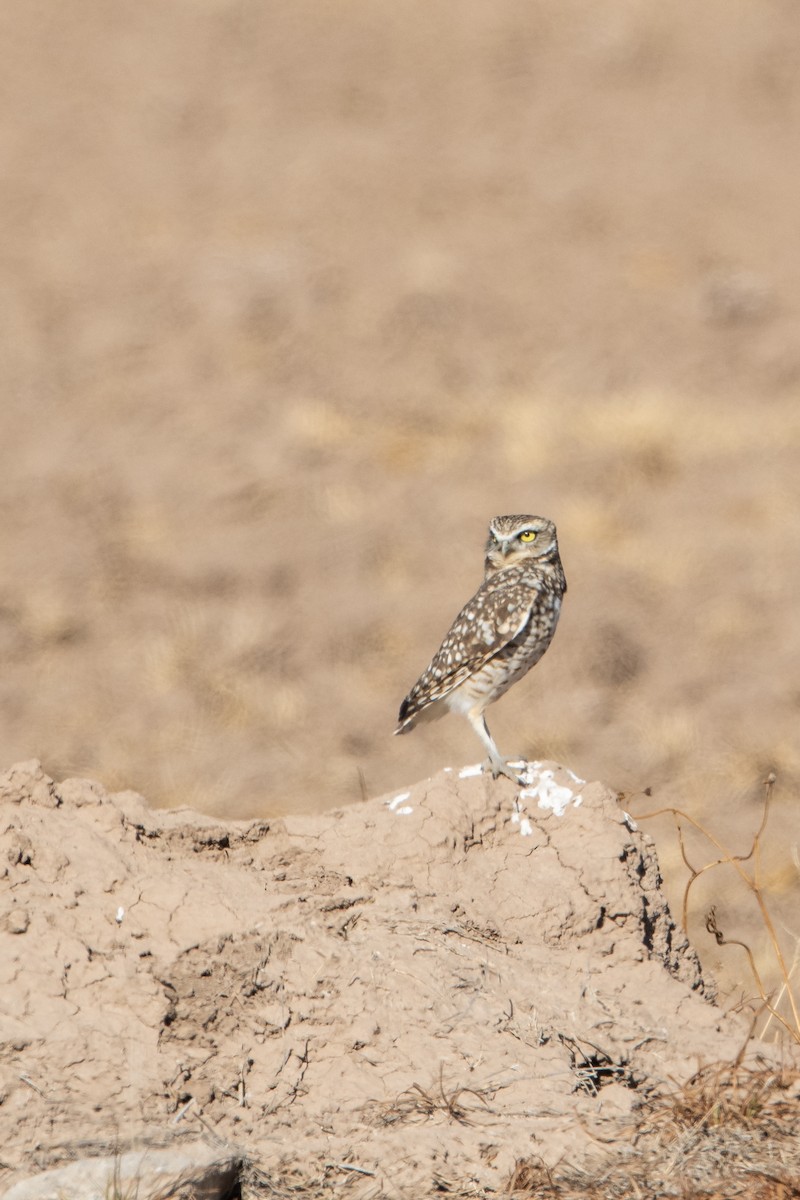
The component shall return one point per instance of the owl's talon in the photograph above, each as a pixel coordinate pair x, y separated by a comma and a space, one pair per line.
502, 766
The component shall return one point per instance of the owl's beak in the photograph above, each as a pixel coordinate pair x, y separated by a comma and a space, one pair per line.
504, 548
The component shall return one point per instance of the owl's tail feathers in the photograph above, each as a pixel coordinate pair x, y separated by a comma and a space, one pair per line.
411, 715
405, 717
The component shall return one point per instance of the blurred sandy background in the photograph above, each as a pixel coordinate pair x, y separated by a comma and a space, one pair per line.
296, 296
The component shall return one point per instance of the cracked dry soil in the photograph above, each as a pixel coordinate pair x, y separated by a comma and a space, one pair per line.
425, 995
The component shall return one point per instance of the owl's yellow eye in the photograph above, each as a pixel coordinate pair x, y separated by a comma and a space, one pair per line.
527, 536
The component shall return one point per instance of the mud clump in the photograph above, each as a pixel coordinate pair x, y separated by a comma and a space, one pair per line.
428, 987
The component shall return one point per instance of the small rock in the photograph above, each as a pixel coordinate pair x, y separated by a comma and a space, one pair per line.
17, 920
197, 1172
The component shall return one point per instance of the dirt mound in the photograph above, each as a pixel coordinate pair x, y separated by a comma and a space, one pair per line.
427, 988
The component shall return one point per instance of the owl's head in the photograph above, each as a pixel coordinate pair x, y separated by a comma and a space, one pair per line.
516, 538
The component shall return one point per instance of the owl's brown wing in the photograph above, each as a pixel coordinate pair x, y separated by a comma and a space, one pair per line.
493, 618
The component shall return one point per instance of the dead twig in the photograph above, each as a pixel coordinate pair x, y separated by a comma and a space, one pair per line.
416, 1101
752, 881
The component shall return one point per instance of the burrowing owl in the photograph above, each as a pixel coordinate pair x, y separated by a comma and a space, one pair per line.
499, 635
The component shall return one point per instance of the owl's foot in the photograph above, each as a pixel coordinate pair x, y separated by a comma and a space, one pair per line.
495, 762
513, 770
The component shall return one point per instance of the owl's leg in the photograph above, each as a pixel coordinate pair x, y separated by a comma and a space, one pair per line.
495, 762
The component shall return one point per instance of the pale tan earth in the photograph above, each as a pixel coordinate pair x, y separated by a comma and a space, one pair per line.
428, 992
295, 297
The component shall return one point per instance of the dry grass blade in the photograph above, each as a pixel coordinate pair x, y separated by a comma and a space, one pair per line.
729, 1094
593, 1067
117, 1188
417, 1102
531, 1178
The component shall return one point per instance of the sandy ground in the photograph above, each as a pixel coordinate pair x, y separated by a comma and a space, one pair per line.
295, 297
443, 990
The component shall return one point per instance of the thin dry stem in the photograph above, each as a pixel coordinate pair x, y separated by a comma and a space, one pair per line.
417, 1101
753, 883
